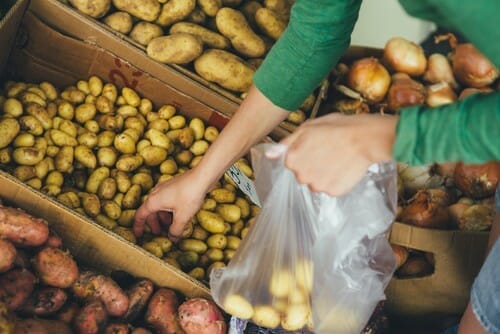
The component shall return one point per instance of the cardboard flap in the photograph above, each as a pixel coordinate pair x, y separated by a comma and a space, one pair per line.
8, 29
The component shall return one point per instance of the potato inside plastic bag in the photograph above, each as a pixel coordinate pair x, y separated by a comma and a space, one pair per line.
311, 261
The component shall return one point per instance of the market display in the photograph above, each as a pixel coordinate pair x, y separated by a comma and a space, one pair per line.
44, 290
100, 150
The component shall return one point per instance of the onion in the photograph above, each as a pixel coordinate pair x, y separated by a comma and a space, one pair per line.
470, 91
404, 56
401, 254
477, 181
440, 94
470, 66
404, 92
477, 217
415, 178
439, 70
351, 107
455, 211
370, 78
415, 266
428, 208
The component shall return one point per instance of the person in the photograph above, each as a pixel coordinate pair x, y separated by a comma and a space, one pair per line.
333, 152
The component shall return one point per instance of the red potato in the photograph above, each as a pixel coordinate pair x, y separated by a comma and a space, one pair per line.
16, 286
138, 296
161, 313
8, 255
201, 316
140, 331
21, 228
117, 328
54, 240
90, 285
55, 267
68, 312
41, 326
44, 301
91, 319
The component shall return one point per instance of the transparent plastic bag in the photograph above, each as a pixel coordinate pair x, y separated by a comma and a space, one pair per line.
311, 261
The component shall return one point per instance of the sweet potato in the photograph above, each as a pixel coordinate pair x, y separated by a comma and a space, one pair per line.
41, 326
55, 267
44, 301
8, 255
21, 228
90, 285
201, 316
161, 313
117, 328
138, 296
16, 286
68, 312
91, 319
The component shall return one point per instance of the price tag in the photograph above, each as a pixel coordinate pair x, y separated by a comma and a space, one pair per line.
244, 183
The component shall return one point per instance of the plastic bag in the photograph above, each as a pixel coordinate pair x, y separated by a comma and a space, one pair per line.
311, 261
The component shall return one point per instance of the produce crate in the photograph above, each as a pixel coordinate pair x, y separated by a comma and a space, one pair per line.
42, 53
8, 26
458, 257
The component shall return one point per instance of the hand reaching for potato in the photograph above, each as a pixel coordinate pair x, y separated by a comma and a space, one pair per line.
181, 196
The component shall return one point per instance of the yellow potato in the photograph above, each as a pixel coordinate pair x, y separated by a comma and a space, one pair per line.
238, 306
217, 240
13, 107
225, 69
73, 95
153, 155
144, 32
233, 24
95, 179
65, 110
52, 109
177, 122
159, 124
119, 21
106, 222
51, 190
124, 143
266, 316
142, 144
107, 189
153, 248
126, 218
88, 139
244, 207
199, 147
164, 243
249, 8
169, 166
296, 117
83, 86
188, 260
107, 90
186, 136
167, 111
197, 273
197, 16
210, 7
9, 128
125, 233
146, 10
91, 204
123, 181
52, 151
175, 11
132, 198
29, 97
192, 245
29, 156
229, 212
112, 209
295, 317
183, 158
127, 110
27, 123
222, 195
24, 139
198, 127
228, 254
70, 199
180, 48
233, 242
157, 138
110, 122
304, 272
106, 156
103, 105
215, 254
45, 166
134, 122
281, 282
270, 23
199, 233
209, 38
210, 221
151, 116
24, 173
49, 90
105, 138
92, 8
63, 160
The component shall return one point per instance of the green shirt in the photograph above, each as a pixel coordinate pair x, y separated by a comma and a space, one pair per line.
319, 33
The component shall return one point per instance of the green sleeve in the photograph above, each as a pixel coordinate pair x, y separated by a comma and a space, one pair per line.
317, 35
467, 131
477, 20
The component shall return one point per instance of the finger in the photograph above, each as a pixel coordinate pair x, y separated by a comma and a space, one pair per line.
165, 218
177, 227
140, 218
153, 223
139, 227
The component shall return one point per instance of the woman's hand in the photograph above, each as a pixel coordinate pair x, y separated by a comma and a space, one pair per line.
172, 203
332, 153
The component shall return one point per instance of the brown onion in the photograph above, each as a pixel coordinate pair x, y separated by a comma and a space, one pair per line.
470, 91
351, 107
470, 66
428, 208
404, 56
401, 254
404, 92
446, 169
477, 217
439, 70
456, 211
416, 266
440, 94
477, 181
370, 78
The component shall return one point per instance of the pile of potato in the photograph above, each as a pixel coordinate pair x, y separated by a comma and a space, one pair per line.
100, 150
223, 41
43, 290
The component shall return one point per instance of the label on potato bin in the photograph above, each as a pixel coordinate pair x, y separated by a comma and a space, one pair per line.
244, 183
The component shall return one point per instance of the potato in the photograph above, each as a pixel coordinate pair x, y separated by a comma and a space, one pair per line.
237, 227
7, 255
228, 254
91, 204
125, 143
12, 107
105, 138
238, 306
29, 156
9, 128
132, 198
138, 296
24, 173
119, 21
249, 8
84, 87
85, 156
209, 38
110, 122
94, 8
281, 282
233, 242
105, 222
222, 195
266, 316
126, 218
270, 23
180, 48
91, 318
183, 158
304, 272
197, 16
28, 97
210, 7
112, 209
153, 155
27, 123
65, 110
95, 179
147, 10
158, 138
192, 245
63, 160
161, 313
211, 133
85, 112
107, 189
123, 181
24, 139
16, 286
295, 317
175, 11
229, 212
225, 69
44, 301
233, 24
145, 180
70, 199
296, 117
5, 155
61, 138
55, 267
210, 221
144, 32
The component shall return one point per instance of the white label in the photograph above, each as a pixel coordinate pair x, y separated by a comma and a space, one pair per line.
244, 183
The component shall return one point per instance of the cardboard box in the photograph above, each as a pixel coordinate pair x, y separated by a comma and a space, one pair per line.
458, 256
8, 27
45, 54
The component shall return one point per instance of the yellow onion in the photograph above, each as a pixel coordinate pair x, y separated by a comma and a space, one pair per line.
477, 217
351, 107
439, 70
477, 181
469, 65
428, 208
414, 178
470, 91
404, 92
440, 94
370, 78
404, 56
401, 254
416, 266
455, 211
